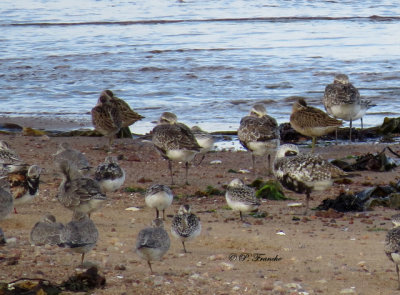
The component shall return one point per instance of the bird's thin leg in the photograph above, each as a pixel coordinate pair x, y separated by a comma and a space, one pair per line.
15, 211
336, 132
163, 214
253, 159
362, 124
398, 278
269, 165
202, 158
314, 139
187, 172
241, 217
351, 127
157, 213
170, 171
184, 248
151, 270
83, 257
307, 201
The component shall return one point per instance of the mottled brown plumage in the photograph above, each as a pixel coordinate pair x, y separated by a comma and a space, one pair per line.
392, 245
311, 121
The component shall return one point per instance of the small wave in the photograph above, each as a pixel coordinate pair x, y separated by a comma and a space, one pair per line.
250, 19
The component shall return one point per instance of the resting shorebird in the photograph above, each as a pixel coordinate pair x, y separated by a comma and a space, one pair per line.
79, 193
174, 141
205, 141
47, 231
185, 225
259, 133
80, 234
6, 203
241, 197
311, 121
109, 175
342, 100
159, 196
152, 242
106, 118
303, 173
392, 245
128, 116
24, 184
65, 152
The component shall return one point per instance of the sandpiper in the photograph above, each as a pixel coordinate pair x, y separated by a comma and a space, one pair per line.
259, 133
311, 121
392, 245
106, 118
47, 231
65, 152
303, 173
174, 141
24, 184
240, 197
152, 242
80, 234
6, 203
110, 175
128, 116
185, 225
79, 193
159, 196
9, 159
205, 141
342, 100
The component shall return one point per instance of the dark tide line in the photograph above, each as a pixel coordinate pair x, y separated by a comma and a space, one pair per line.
250, 19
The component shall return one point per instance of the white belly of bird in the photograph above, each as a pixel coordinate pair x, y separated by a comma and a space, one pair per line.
206, 144
396, 258
26, 198
320, 185
318, 131
111, 185
160, 200
181, 155
262, 148
346, 112
240, 206
150, 254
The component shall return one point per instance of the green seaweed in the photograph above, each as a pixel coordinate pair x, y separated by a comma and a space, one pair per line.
271, 190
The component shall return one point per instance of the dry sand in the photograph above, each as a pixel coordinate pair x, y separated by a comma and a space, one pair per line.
316, 255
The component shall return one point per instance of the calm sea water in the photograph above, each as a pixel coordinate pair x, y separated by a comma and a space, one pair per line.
207, 61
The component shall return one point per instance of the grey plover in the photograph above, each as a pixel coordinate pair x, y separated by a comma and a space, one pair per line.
259, 133
106, 118
303, 173
110, 175
311, 121
185, 225
47, 231
174, 141
342, 100
159, 196
204, 139
392, 245
65, 152
79, 193
152, 242
80, 235
24, 184
240, 197
6, 203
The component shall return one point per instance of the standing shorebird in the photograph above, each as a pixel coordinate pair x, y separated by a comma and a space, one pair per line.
128, 116
311, 121
152, 242
259, 133
303, 173
6, 203
9, 159
47, 231
342, 100
106, 118
205, 141
79, 193
24, 184
185, 225
241, 197
80, 234
174, 141
109, 175
77, 158
159, 196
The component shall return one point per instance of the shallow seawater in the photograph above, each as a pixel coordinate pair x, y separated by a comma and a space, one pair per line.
207, 61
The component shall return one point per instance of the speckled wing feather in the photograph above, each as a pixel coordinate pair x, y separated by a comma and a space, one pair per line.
243, 194
257, 129
128, 116
75, 157
106, 119
392, 242
153, 238
174, 136
312, 117
337, 93
156, 188
108, 171
44, 233
79, 234
185, 224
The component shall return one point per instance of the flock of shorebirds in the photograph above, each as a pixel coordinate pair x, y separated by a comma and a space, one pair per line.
258, 133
